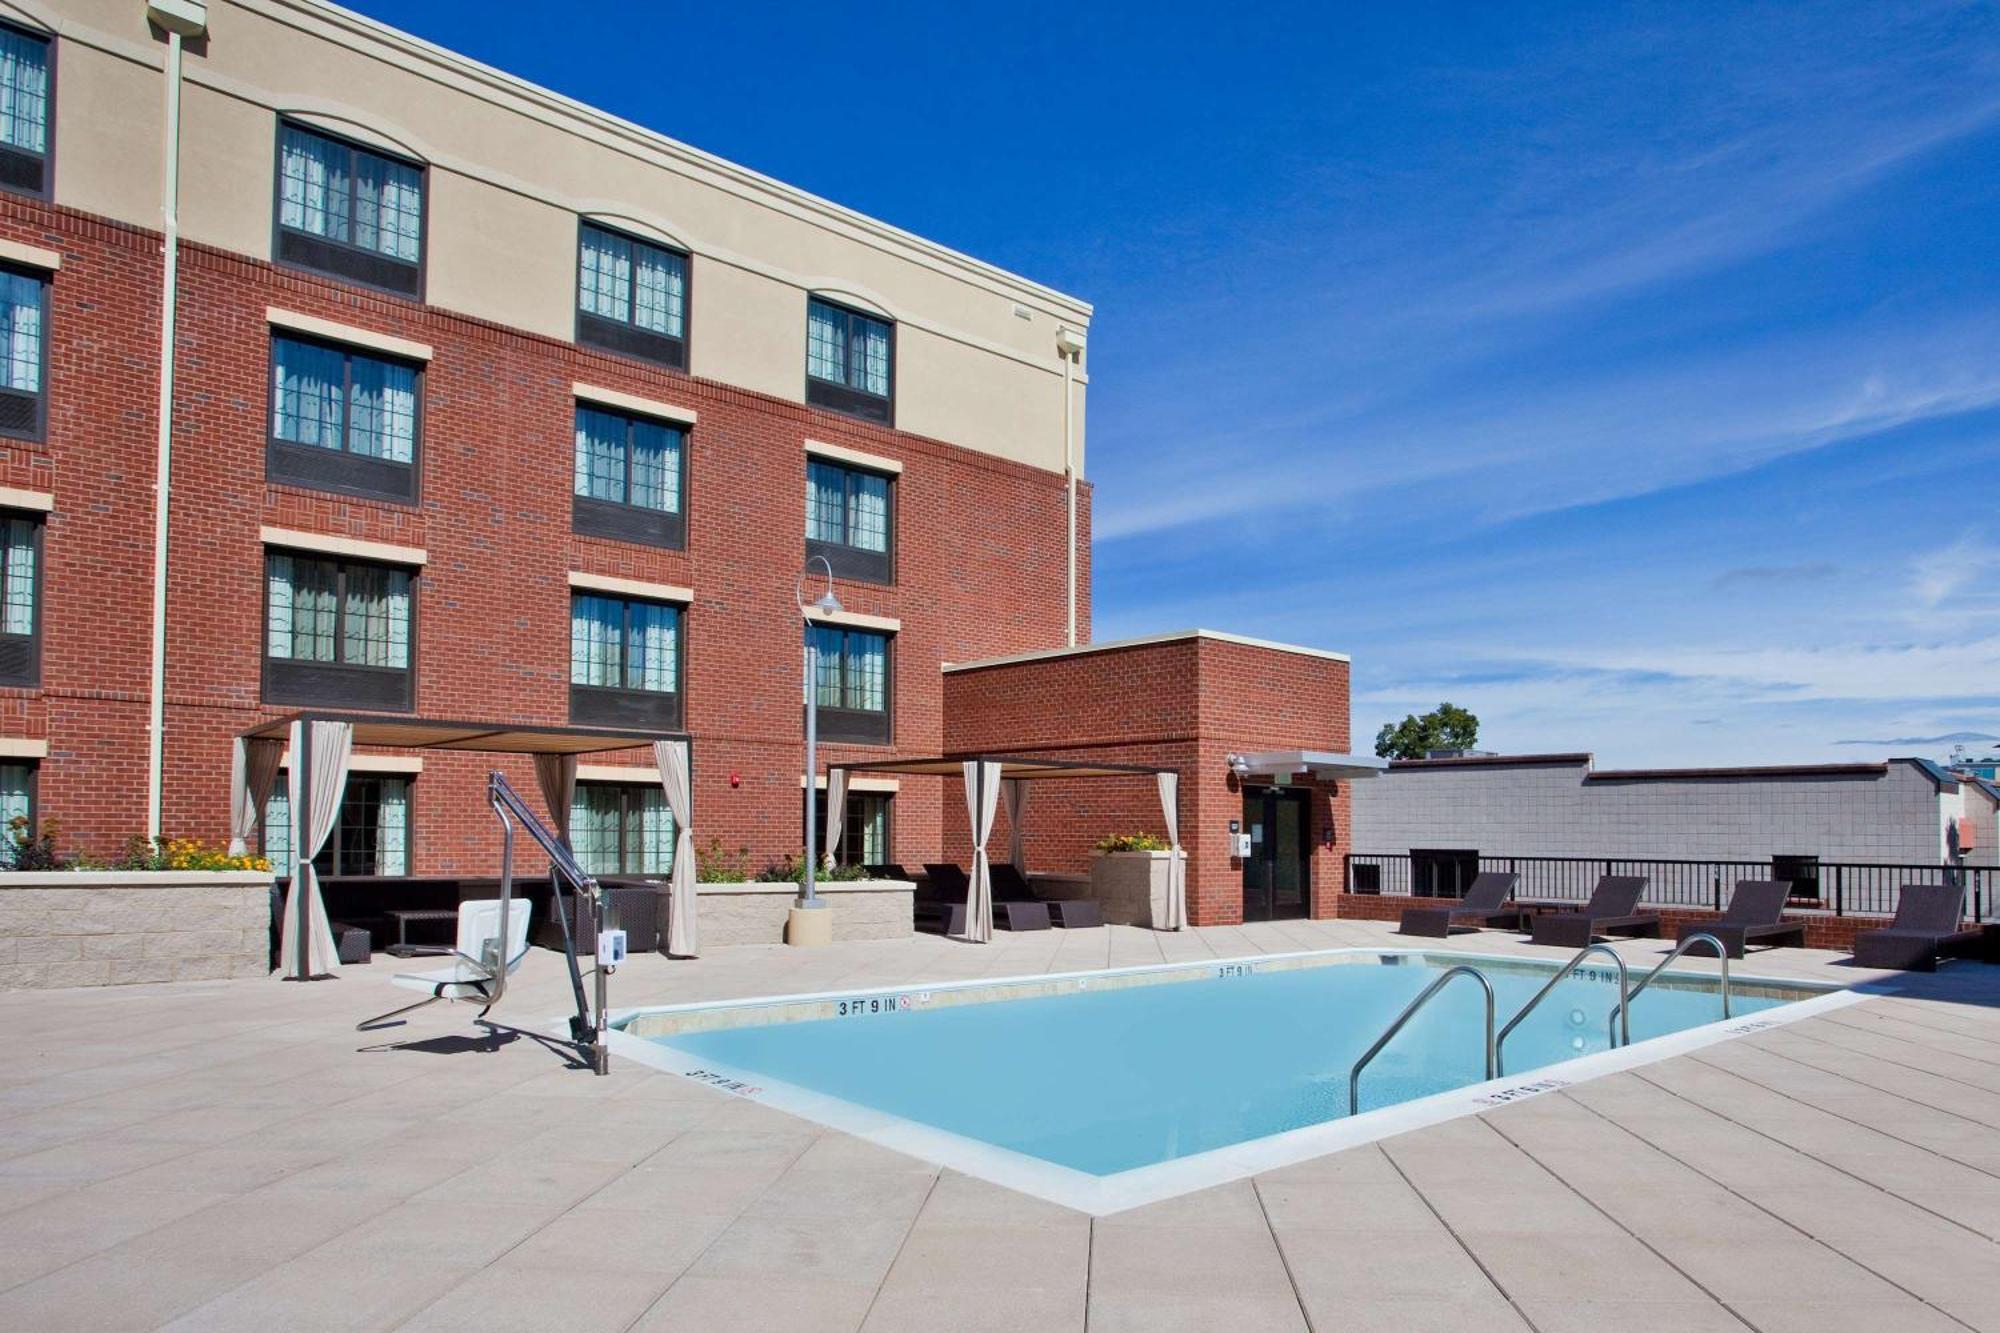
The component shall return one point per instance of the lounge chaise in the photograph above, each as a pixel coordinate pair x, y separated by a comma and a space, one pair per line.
1755, 915
1924, 929
1484, 904
1011, 888
476, 973
1010, 885
1612, 910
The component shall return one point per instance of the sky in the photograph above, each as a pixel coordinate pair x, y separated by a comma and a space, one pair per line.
1629, 375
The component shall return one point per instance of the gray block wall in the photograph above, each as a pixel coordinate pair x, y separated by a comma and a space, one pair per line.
1555, 810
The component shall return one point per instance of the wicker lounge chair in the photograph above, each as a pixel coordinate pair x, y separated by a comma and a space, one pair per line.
1612, 910
1924, 929
1754, 916
1484, 904
1006, 916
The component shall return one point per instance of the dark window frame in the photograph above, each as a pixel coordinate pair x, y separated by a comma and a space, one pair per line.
361, 255
315, 467
625, 336
861, 726
292, 680
844, 396
630, 800
21, 654
47, 157
854, 562
39, 431
621, 520
631, 705
330, 856
850, 852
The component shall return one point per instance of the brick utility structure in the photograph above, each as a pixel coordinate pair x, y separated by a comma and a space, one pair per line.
1257, 730
486, 406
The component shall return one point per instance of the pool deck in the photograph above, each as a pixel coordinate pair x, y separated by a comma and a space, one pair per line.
232, 1155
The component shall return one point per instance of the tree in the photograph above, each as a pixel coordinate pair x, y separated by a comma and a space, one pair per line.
1447, 727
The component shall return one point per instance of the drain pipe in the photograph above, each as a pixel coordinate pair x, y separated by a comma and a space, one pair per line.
1069, 345
179, 19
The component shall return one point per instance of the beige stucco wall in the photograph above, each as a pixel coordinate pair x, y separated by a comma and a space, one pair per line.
511, 167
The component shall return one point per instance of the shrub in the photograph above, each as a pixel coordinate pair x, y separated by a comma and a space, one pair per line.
182, 854
29, 850
713, 865
1132, 842
793, 868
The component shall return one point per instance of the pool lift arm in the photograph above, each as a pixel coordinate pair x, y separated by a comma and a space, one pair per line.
586, 1025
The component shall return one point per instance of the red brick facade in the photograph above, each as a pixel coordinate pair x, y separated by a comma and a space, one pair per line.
492, 601
1185, 703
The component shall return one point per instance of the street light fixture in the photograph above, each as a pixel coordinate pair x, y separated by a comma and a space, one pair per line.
807, 924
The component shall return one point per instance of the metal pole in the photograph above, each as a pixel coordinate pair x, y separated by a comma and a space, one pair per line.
163, 465
808, 896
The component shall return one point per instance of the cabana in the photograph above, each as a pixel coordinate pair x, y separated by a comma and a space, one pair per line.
991, 778
321, 747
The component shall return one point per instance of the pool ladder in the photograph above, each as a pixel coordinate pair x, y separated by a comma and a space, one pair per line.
1619, 1020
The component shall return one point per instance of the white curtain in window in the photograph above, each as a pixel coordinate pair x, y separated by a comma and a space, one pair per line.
596, 642
1170, 807
867, 672
683, 933
836, 813
388, 207
377, 627
874, 352
982, 802
24, 91
1014, 793
826, 503
385, 410
253, 772
20, 332
604, 276
320, 753
655, 650
593, 829
306, 399
392, 828
313, 188
656, 301
656, 466
17, 610
868, 528
826, 343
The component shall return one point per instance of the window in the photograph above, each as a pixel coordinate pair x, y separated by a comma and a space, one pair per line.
342, 420
25, 79
371, 834
865, 840
621, 830
337, 632
624, 662
20, 599
850, 521
17, 801
349, 211
24, 359
852, 685
848, 356
631, 296
629, 478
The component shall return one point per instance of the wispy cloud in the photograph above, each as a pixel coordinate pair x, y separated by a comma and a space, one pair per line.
1811, 571
1938, 576
1948, 738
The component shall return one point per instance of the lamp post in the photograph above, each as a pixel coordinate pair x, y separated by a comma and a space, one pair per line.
808, 923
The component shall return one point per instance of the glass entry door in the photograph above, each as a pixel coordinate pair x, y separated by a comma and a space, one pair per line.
1277, 872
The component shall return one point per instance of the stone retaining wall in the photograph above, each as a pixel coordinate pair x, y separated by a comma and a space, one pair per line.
867, 909
112, 928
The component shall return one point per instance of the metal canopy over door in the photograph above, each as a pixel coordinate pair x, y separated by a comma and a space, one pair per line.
1277, 876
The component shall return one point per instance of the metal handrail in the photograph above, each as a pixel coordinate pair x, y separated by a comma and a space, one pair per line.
1492, 1050
1623, 1012
587, 1025
1721, 952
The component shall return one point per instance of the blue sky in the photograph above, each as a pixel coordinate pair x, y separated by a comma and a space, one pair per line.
1628, 375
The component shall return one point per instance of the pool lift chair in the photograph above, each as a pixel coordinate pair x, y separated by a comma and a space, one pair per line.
477, 973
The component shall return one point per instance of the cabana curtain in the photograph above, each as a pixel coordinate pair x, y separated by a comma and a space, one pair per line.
982, 802
1170, 806
253, 772
320, 754
555, 774
683, 935
836, 812
1015, 793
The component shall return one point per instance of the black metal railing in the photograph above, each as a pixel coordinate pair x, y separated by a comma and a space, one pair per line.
1841, 888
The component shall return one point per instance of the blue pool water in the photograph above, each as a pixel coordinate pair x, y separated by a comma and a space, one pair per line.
1106, 1080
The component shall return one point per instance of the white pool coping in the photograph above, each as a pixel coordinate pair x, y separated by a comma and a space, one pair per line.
1100, 1196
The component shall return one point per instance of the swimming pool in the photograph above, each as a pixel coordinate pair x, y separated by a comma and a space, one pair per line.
1104, 1077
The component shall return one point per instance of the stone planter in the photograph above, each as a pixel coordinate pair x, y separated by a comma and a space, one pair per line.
1131, 887
754, 913
117, 927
